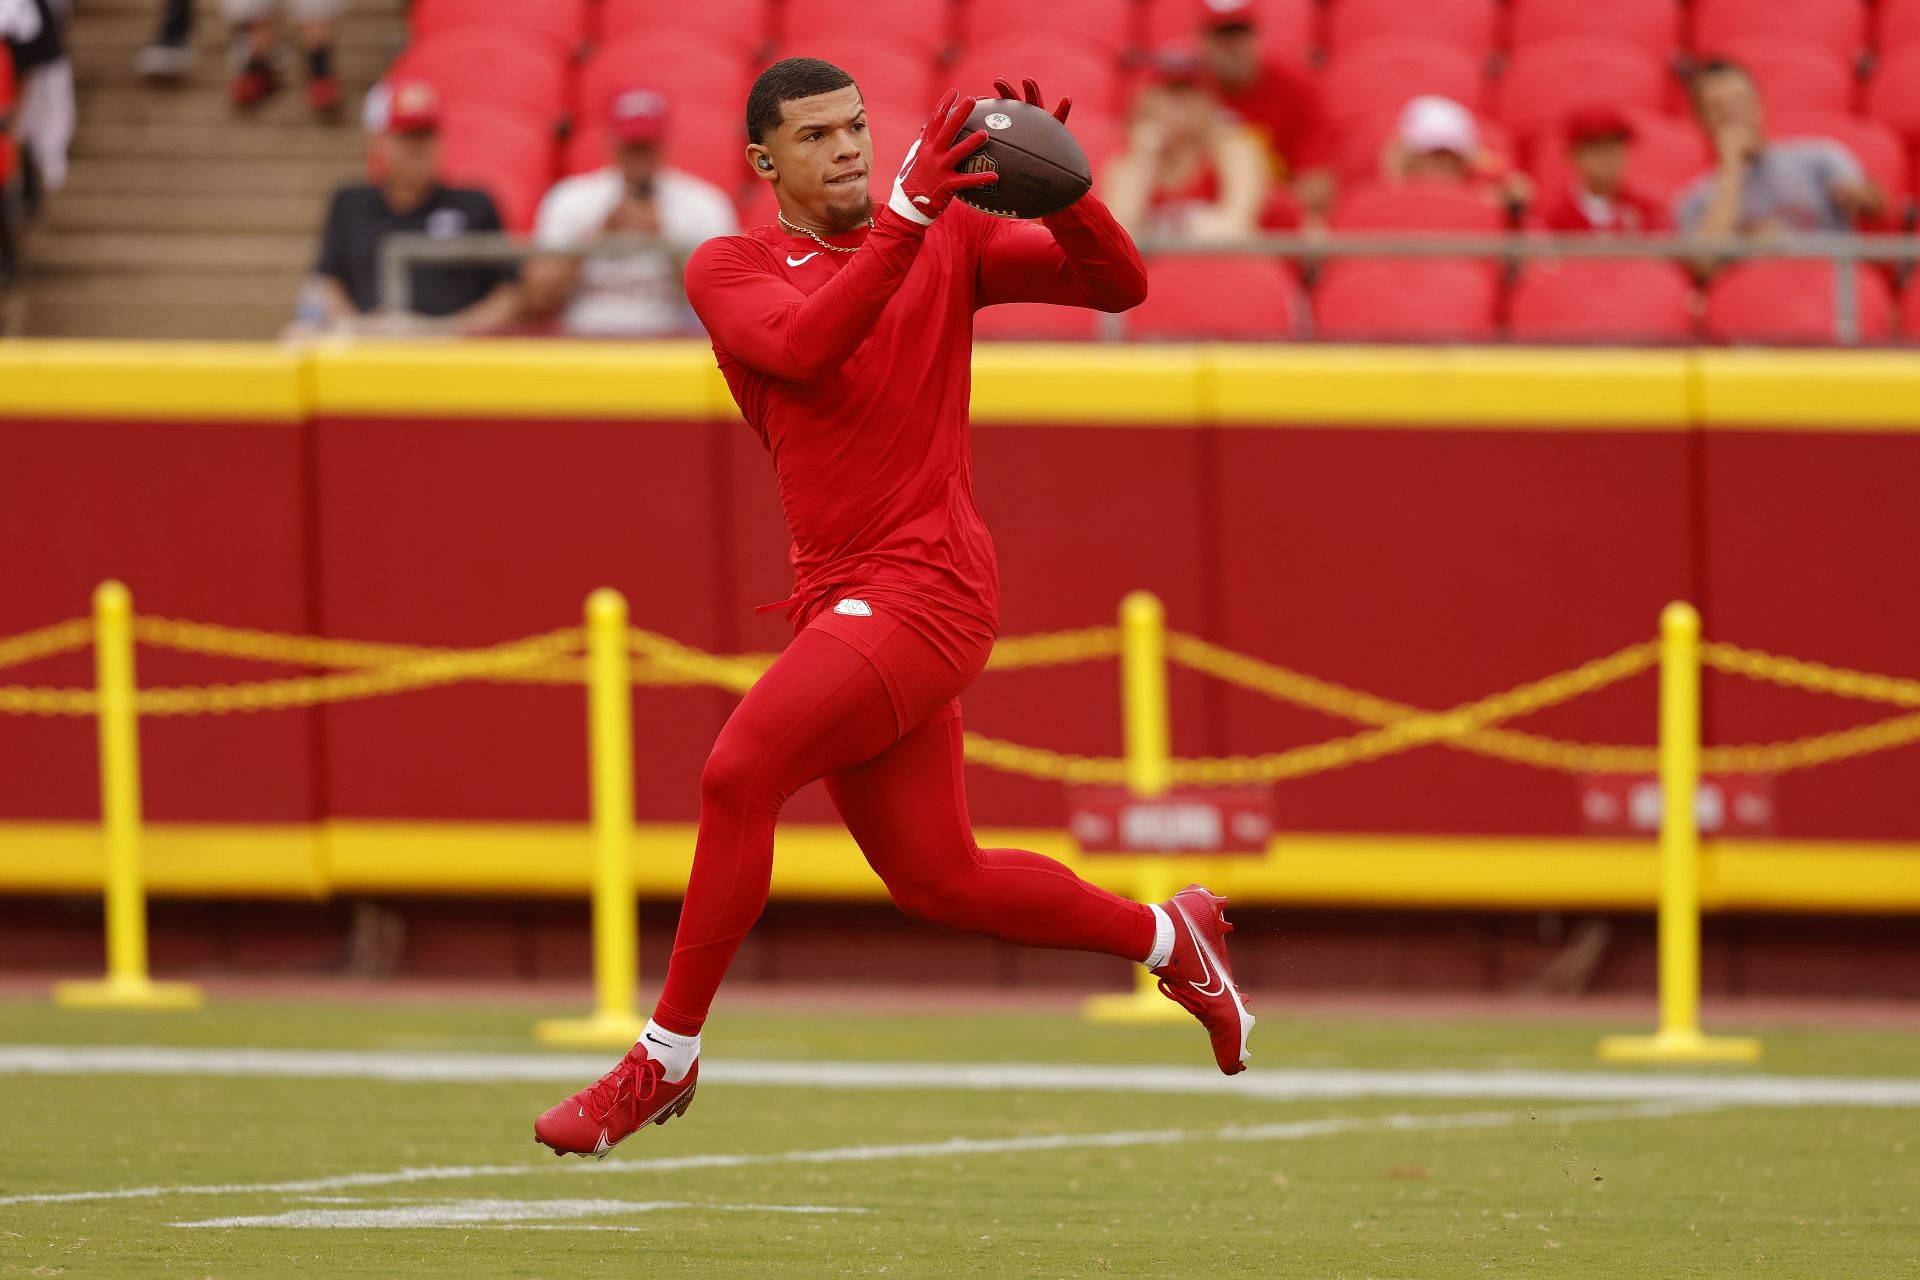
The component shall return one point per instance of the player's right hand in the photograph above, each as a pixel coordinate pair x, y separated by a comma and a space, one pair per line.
930, 175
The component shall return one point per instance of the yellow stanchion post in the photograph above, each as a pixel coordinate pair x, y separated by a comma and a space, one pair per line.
1679, 1038
127, 984
616, 926
1143, 691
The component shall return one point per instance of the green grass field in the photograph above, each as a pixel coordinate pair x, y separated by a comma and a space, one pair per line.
1094, 1177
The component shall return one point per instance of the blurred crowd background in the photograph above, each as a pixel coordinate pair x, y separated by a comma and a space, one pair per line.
577, 149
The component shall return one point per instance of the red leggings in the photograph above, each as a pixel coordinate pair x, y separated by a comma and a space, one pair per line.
825, 710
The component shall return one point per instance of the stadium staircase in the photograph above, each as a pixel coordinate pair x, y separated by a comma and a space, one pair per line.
181, 219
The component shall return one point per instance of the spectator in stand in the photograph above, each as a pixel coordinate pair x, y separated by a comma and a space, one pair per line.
1438, 141
43, 113
1761, 188
169, 55
452, 298
1276, 98
636, 293
1190, 169
1598, 195
258, 79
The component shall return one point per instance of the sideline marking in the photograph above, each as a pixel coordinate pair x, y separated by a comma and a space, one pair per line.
1278, 1084
462, 1213
1286, 1131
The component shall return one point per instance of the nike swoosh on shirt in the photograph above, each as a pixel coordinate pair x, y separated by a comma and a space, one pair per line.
803, 259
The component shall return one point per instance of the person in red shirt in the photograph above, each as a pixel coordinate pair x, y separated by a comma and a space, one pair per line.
845, 333
1597, 195
1276, 97
1190, 170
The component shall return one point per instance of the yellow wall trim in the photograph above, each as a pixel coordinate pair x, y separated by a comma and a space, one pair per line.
1094, 384
198, 381
817, 862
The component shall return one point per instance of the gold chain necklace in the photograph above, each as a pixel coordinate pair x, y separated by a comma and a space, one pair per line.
815, 235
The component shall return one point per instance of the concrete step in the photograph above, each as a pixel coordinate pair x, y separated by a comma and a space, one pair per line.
134, 254
144, 182
241, 143
47, 317
244, 214
203, 105
209, 11
274, 288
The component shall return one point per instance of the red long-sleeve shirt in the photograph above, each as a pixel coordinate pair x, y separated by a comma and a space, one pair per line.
855, 370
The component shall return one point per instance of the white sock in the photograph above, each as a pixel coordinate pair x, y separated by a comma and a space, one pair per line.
675, 1053
1162, 937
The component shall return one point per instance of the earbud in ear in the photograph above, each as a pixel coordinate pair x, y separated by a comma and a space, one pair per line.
766, 163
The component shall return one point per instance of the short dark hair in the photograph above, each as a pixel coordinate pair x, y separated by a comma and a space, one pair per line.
784, 81
1714, 67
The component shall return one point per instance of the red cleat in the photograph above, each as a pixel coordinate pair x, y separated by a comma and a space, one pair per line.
323, 95
1199, 977
627, 1099
253, 86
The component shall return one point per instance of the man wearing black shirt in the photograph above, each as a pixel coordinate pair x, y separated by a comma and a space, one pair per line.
457, 297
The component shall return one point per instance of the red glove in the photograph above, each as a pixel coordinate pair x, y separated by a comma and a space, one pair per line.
1032, 97
930, 175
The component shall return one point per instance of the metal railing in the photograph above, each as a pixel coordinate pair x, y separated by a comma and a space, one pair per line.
1845, 252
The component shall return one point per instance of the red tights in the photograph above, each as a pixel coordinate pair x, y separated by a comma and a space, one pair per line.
824, 711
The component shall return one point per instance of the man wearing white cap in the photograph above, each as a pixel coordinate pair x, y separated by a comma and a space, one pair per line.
634, 294
1437, 140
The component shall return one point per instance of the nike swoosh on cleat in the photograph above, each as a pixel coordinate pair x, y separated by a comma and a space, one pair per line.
1216, 980
601, 1147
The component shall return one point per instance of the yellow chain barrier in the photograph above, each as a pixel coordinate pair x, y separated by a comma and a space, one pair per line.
361, 669
61, 637
1316, 694
1814, 676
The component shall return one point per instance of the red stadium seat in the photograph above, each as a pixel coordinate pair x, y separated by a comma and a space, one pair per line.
1285, 26
1893, 95
744, 25
1381, 77
1432, 300
1100, 26
925, 24
490, 66
1838, 27
1090, 80
1801, 77
502, 151
1243, 297
1899, 25
1665, 155
1602, 300
1035, 322
1877, 147
1910, 314
1792, 302
705, 142
1418, 206
1473, 25
1545, 81
891, 73
1653, 26
692, 70
562, 24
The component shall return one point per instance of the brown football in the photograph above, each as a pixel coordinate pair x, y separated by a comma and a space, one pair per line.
1042, 168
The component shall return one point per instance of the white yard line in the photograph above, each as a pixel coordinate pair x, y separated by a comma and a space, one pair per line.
997, 1077
462, 1213
1286, 1131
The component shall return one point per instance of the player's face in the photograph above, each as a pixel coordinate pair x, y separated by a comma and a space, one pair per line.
820, 154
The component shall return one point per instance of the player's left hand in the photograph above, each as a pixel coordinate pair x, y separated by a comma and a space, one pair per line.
1032, 97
